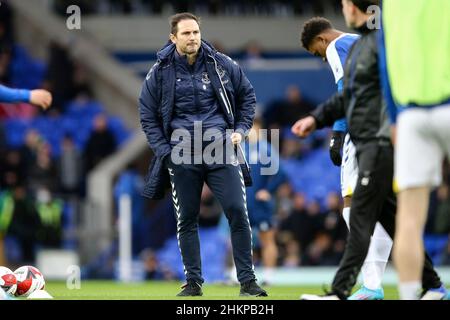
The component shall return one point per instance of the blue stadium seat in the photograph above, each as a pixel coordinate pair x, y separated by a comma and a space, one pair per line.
117, 127
15, 130
314, 175
436, 246
26, 72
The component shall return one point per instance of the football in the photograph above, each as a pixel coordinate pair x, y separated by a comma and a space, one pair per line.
29, 279
8, 281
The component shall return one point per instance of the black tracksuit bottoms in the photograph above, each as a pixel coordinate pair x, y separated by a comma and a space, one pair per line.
373, 200
227, 184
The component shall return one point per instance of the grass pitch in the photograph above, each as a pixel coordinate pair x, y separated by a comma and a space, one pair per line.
110, 290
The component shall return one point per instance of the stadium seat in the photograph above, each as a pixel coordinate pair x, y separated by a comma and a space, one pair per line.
436, 246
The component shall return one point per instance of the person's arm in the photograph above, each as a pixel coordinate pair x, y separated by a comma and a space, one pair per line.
151, 122
338, 134
330, 111
38, 97
14, 95
336, 55
324, 115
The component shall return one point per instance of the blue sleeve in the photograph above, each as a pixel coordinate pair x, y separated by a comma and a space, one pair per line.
14, 95
340, 85
341, 124
384, 77
342, 51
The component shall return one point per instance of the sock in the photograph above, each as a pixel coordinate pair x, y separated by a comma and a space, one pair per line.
409, 290
346, 216
372, 273
379, 251
377, 257
369, 270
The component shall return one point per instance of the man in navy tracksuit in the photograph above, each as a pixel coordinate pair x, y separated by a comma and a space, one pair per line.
193, 88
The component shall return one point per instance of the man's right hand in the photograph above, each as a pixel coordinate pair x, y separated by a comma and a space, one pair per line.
41, 98
303, 127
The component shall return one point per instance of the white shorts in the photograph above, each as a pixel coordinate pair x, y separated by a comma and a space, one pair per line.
423, 140
349, 168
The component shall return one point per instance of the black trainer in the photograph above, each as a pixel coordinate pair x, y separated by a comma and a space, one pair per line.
251, 288
190, 289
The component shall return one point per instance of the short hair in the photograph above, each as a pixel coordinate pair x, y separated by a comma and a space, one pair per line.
179, 17
312, 28
363, 5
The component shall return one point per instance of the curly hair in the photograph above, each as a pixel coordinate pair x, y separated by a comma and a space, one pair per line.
312, 28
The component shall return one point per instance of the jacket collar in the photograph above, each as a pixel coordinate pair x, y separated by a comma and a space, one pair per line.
167, 52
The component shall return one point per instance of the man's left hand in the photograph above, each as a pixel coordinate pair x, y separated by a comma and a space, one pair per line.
236, 138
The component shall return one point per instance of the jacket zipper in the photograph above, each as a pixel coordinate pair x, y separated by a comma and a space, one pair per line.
224, 100
222, 89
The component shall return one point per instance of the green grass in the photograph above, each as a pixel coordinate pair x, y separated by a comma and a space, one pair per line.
110, 290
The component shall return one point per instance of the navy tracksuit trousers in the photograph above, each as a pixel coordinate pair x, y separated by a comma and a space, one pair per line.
227, 184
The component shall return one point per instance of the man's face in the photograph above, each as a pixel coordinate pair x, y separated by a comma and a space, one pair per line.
318, 48
188, 37
348, 9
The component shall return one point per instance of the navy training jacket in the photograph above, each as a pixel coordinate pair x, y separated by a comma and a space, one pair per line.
234, 92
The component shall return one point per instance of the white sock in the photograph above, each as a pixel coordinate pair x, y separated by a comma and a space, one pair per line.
409, 290
379, 251
377, 258
346, 216
372, 274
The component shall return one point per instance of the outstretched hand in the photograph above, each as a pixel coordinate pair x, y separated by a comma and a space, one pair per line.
41, 98
303, 127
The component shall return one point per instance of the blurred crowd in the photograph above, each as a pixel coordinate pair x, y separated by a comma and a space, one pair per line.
208, 7
45, 155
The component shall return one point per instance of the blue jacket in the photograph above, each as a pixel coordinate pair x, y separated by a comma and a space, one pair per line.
156, 101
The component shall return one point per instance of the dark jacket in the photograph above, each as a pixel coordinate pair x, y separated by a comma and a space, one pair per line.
361, 100
195, 99
156, 103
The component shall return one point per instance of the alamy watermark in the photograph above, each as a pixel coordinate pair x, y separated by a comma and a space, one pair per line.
214, 146
374, 22
73, 22
73, 281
